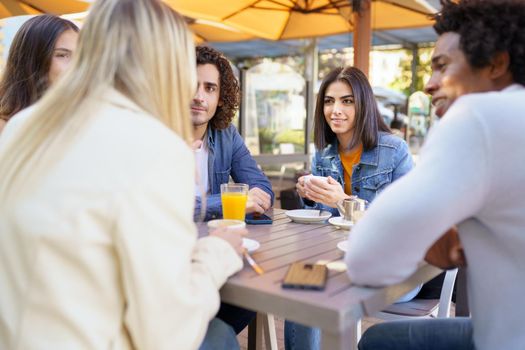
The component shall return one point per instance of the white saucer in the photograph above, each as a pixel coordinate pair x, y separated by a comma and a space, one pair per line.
342, 246
250, 244
306, 216
341, 223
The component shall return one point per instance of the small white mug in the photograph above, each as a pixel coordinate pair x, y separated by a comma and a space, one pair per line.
307, 178
230, 224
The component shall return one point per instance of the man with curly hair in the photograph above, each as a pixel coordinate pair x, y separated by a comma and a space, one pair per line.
471, 174
222, 152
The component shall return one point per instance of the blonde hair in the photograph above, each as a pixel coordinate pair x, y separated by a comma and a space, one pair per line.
143, 49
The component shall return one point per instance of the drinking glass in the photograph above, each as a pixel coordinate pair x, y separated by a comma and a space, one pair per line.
234, 197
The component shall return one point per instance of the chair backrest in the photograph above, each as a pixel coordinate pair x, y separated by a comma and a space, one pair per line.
424, 307
290, 199
445, 299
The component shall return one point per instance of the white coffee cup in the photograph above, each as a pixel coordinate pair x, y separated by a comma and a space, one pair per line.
307, 178
230, 224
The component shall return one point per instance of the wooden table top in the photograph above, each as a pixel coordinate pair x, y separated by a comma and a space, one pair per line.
334, 309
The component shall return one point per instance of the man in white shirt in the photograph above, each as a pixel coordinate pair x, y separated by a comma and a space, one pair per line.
471, 174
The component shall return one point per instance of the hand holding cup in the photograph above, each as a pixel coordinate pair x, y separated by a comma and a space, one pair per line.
232, 231
325, 190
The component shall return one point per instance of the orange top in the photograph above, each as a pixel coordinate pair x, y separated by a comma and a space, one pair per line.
349, 159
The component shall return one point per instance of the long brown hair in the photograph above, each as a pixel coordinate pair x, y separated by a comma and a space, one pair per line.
368, 120
118, 48
25, 77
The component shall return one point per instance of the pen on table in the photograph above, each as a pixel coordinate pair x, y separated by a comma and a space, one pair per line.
252, 263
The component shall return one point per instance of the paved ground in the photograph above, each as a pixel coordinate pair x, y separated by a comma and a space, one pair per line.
279, 324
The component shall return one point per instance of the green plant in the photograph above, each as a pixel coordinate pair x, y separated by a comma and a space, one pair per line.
266, 140
403, 81
295, 137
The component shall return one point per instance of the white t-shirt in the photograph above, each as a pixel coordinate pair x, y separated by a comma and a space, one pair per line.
201, 162
471, 173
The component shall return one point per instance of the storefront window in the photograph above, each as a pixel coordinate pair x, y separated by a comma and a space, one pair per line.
275, 109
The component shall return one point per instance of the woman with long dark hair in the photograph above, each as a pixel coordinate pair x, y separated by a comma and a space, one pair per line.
354, 147
40, 52
357, 153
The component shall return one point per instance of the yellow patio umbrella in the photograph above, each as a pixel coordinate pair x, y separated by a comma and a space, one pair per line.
292, 19
203, 30
9, 8
210, 31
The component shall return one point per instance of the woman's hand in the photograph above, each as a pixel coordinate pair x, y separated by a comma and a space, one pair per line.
326, 192
232, 236
300, 186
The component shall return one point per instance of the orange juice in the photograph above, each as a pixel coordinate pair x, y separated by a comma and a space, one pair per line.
234, 205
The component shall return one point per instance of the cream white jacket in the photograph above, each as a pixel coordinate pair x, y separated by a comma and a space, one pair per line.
104, 254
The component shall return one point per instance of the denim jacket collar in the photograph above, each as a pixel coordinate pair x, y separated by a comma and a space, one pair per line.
210, 138
368, 157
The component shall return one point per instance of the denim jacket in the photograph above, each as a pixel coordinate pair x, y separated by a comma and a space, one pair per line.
228, 156
377, 168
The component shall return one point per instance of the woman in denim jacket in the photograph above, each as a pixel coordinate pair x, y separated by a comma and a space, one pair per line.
355, 148
356, 152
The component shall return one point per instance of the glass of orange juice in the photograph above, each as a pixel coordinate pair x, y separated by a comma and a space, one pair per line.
234, 197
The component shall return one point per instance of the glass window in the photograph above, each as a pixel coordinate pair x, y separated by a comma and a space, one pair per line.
275, 109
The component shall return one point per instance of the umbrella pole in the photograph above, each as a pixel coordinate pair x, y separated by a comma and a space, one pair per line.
362, 34
413, 68
312, 74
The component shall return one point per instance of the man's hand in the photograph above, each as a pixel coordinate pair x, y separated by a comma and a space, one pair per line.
258, 201
232, 236
447, 252
327, 193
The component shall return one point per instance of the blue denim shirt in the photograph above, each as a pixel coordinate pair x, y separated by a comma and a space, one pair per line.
228, 156
377, 168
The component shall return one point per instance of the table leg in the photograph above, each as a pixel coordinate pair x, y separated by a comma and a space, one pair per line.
346, 341
270, 336
262, 326
252, 334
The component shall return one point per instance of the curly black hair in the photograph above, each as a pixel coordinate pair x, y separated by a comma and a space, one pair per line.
487, 27
230, 92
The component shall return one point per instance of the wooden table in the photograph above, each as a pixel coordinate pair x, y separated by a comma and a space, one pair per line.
336, 310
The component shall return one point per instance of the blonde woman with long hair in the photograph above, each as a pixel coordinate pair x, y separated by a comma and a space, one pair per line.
98, 249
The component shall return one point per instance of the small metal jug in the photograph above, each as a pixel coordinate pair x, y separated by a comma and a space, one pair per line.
350, 206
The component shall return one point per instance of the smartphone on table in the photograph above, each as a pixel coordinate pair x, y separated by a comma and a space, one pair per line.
258, 219
306, 276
